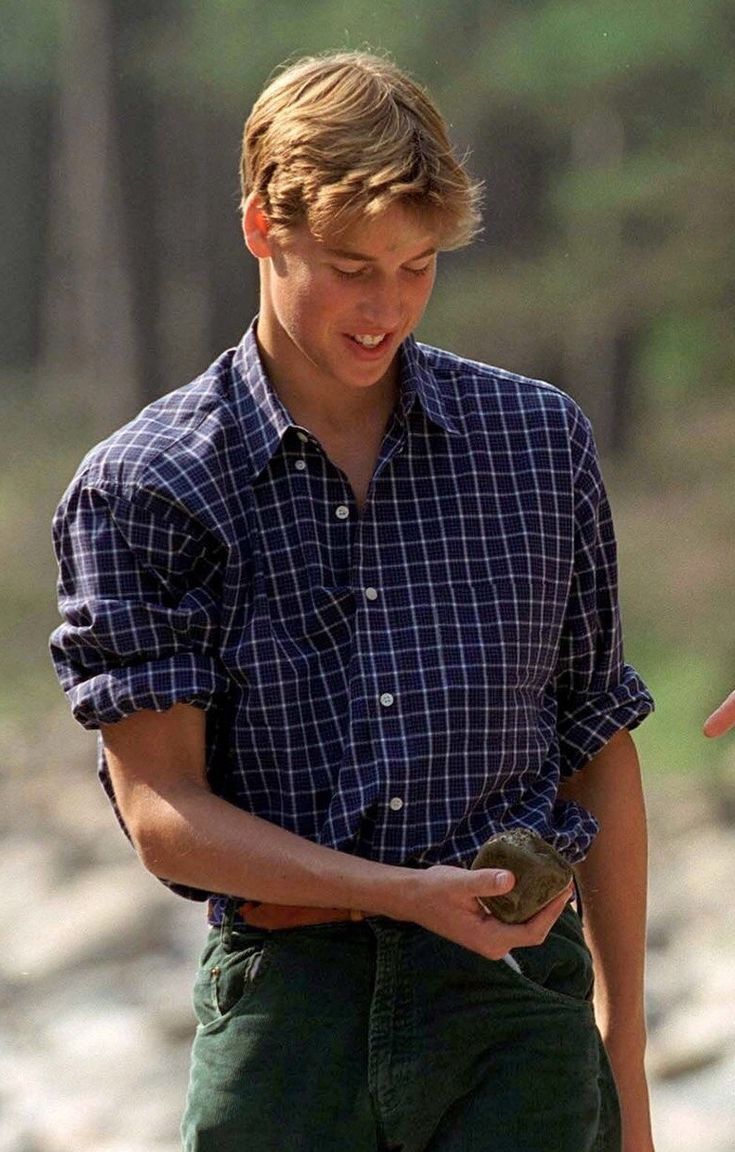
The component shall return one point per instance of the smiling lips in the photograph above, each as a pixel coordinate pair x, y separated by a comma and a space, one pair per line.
366, 341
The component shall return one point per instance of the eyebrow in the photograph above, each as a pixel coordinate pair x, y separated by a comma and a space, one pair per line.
346, 254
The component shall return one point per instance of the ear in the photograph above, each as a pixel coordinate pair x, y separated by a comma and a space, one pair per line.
255, 228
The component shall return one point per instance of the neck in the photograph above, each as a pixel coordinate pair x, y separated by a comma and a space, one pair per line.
337, 410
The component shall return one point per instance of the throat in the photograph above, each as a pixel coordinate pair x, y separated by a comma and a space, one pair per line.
356, 455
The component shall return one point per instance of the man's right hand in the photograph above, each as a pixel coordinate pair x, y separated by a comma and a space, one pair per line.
444, 899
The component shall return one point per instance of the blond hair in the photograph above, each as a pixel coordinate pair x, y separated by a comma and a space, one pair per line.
334, 138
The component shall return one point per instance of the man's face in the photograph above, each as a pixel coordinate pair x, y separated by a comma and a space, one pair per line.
334, 311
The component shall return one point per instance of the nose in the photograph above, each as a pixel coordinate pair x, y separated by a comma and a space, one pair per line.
382, 303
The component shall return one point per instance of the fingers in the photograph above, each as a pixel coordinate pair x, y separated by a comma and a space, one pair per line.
450, 907
722, 719
545, 919
493, 938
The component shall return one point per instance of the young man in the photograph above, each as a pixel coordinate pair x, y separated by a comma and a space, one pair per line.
342, 608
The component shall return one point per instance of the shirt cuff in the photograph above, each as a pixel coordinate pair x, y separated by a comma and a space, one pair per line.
586, 729
156, 685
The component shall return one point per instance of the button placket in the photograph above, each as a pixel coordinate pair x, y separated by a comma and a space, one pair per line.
395, 803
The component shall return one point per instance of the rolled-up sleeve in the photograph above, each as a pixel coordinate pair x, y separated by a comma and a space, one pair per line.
598, 693
137, 595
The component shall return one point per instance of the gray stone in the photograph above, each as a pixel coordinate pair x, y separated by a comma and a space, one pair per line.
540, 873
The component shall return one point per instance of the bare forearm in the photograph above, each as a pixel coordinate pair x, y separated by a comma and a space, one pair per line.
193, 837
185, 833
613, 883
198, 839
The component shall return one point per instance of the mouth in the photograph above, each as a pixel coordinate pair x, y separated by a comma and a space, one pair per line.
370, 342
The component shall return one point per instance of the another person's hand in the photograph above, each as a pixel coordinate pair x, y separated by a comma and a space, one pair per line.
722, 719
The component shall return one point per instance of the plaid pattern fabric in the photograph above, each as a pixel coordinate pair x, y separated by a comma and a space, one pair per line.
397, 684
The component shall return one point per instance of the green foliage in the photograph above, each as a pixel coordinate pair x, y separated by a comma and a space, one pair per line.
559, 50
672, 354
30, 33
686, 689
229, 48
40, 447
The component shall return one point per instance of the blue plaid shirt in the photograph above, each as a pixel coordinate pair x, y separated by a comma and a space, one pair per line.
399, 683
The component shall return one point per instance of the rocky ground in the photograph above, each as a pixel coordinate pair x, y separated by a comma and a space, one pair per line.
96, 962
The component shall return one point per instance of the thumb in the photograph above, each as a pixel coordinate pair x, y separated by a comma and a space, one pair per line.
491, 881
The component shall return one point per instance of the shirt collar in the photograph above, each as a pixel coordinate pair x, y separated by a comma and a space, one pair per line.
265, 419
418, 382
261, 413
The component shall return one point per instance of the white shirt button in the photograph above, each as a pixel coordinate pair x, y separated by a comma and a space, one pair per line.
342, 511
371, 593
386, 699
300, 465
395, 804
303, 437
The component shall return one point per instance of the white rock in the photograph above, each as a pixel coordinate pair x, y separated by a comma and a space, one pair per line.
98, 914
696, 1112
29, 872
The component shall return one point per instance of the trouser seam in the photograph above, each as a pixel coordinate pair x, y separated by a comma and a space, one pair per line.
381, 1024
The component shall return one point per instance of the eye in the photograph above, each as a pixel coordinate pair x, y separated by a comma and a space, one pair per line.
422, 271
348, 273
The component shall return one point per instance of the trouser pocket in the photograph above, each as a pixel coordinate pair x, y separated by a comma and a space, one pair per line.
228, 973
561, 967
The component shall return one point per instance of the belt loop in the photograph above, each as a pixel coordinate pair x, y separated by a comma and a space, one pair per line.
228, 920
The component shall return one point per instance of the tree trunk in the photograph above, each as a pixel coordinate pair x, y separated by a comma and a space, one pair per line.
24, 147
594, 337
89, 336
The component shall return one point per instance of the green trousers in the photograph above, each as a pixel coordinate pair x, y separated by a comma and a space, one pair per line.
379, 1035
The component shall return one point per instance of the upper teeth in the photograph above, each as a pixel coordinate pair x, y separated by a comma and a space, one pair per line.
369, 341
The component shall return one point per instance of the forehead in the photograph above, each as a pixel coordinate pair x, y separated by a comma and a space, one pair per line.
395, 232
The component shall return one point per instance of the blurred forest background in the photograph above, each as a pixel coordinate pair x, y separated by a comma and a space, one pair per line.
604, 132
